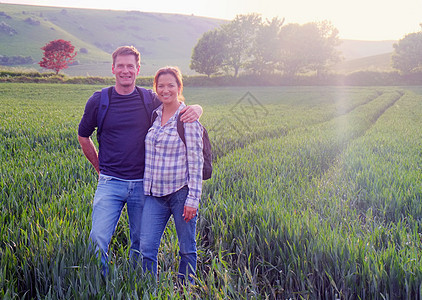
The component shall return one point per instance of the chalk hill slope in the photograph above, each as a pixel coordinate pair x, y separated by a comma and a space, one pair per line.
163, 39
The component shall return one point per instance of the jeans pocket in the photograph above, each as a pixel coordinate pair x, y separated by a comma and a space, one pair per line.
104, 179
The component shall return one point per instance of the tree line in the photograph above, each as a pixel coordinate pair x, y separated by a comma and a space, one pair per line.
15, 60
407, 55
261, 47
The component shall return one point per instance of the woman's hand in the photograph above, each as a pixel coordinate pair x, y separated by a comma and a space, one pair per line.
189, 213
191, 113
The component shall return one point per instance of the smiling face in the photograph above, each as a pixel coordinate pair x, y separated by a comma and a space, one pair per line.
167, 89
125, 70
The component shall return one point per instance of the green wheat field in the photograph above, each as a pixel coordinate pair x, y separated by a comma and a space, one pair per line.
316, 194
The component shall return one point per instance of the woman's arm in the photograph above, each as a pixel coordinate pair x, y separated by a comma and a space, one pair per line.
195, 159
189, 213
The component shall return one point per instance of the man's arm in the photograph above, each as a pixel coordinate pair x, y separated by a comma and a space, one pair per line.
90, 151
191, 113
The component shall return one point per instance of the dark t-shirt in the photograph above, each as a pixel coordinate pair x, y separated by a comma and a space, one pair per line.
122, 145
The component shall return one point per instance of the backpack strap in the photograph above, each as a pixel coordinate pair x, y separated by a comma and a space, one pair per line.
105, 101
103, 107
206, 148
147, 101
181, 129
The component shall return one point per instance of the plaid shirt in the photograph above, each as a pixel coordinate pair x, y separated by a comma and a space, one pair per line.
169, 164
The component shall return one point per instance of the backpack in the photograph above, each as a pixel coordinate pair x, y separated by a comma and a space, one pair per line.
206, 146
105, 100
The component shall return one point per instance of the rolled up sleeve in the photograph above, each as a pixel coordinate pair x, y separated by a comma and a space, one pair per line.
195, 162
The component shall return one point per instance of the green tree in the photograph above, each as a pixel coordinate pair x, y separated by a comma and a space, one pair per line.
265, 52
325, 47
407, 55
208, 54
308, 47
240, 35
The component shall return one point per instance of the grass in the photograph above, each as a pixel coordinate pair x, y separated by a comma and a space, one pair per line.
315, 195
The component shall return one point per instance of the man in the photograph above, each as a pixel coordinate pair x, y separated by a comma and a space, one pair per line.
120, 160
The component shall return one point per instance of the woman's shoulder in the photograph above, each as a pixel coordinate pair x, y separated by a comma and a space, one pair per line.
194, 126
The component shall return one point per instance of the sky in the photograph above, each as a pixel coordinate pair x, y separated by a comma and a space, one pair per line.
357, 19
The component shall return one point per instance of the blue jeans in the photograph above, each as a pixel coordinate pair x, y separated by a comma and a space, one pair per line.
110, 197
157, 213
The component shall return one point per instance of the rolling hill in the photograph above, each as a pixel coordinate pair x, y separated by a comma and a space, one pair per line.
162, 39
355, 49
365, 56
377, 63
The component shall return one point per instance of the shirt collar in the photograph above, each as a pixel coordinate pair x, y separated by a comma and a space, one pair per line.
176, 114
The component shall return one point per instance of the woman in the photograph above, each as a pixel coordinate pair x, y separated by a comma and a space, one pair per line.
173, 176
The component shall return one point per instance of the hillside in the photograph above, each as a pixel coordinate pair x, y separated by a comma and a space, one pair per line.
365, 56
162, 39
355, 49
378, 63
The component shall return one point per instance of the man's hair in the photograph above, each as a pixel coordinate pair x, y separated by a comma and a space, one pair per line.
127, 50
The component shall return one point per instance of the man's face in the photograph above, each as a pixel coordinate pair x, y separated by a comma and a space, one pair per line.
125, 70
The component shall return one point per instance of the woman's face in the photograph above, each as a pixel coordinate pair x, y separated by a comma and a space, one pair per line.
167, 89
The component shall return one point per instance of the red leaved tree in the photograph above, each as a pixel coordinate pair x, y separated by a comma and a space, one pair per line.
58, 54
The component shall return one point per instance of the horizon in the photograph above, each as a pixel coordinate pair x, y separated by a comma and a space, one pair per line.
342, 16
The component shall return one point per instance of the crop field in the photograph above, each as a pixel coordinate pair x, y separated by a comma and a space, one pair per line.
316, 194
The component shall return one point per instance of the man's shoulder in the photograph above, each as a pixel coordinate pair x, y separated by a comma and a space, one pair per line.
96, 96
153, 99
143, 90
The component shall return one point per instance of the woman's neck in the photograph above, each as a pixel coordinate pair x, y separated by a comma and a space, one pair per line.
168, 111
170, 108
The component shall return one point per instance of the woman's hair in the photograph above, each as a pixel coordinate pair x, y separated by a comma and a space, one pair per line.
127, 50
176, 74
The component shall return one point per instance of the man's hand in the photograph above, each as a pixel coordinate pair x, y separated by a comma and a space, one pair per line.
191, 113
189, 213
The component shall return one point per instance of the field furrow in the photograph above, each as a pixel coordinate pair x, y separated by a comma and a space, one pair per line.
260, 205
257, 114
316, 193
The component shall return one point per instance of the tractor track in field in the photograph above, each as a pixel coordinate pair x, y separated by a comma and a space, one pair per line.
374, 120
282, 131
400, 95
